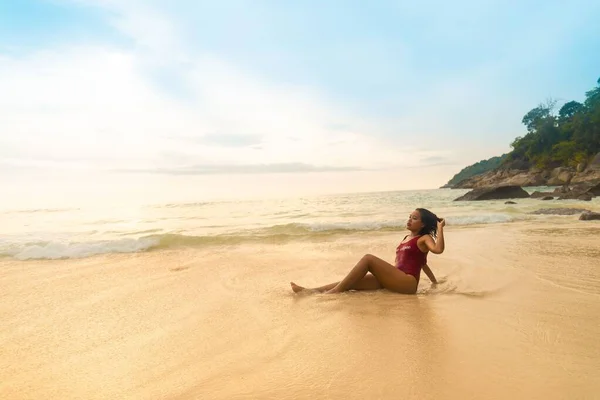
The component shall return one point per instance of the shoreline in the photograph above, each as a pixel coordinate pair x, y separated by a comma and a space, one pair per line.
223, 323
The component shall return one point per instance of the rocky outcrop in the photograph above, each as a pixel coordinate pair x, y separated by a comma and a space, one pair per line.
560, 176
538, 195
562, 189
580, 191
589, 216
494, 193
505, 177
587, 176
522, 174
529, 178
595, 163
594, 189
574, 195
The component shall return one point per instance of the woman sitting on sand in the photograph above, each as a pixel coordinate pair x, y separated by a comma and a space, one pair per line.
411, 257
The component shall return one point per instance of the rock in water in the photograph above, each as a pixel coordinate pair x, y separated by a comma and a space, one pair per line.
494, 193
589, 215
562, 189
594, 190
540, 195
573, 195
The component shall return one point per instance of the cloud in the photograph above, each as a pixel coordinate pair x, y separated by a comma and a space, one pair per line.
93, 104
195, 97
161, 106
241, 169
226, 140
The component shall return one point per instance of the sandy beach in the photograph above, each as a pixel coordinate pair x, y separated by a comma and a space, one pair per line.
176, 176
515, 317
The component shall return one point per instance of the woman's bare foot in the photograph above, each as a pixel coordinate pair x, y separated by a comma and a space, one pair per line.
296, 288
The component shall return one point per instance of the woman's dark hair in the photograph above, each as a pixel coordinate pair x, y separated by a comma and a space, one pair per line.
430, 221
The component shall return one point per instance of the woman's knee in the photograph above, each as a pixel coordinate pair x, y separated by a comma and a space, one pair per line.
367, 260
368, 257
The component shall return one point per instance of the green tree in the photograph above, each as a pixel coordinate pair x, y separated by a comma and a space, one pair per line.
593, 96
568, 110
538, 114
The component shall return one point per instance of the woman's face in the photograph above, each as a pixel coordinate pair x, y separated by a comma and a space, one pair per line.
414, 223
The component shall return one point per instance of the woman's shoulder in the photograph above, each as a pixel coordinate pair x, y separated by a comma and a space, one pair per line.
424, 238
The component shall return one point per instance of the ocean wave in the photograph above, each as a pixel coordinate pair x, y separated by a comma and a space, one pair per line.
365, 226
63, 248
483, 219
331, 227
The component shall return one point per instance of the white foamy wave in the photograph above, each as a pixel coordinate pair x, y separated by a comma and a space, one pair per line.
352, 226
365, 226
61, 247
55, 250
482, 219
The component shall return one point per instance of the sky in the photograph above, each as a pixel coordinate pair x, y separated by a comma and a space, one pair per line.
232, 98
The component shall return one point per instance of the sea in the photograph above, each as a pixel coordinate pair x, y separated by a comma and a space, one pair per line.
69, 233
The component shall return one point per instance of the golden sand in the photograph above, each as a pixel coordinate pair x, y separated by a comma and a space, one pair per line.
517, 316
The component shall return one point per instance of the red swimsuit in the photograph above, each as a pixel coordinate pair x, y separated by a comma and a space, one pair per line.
409, 258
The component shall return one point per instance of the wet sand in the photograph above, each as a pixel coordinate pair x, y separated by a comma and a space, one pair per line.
516, 316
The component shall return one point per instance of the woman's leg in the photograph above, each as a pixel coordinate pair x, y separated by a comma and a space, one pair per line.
387, 275
368, 282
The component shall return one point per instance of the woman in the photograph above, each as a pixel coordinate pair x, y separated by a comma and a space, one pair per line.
411, 257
